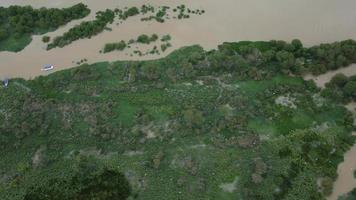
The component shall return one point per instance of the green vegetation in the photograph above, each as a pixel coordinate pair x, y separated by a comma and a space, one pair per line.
147, 9
350, 196
165, 46
166, 38
123, 15
141, 39
145, 39
18, 24
230, 123
294, 58
46, 39
85, 180
163, 14
341, 88
89, 29
120, 46
184, 12
86, 29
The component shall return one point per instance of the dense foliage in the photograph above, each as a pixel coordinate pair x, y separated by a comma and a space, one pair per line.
350, 196
225, 124
341, 88
145, 39
83, 181
294, 58
141, 39
115, 46
86, 29
17, 23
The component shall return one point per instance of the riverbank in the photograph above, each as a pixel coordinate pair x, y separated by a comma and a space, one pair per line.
345, 181
276, 19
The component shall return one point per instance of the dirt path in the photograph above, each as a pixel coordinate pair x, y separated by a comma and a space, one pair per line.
240, 20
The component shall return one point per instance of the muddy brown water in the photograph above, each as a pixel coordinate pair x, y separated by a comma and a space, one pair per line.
225, 20
321, 80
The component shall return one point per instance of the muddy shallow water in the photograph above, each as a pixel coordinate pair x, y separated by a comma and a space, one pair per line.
321, 80
225, 20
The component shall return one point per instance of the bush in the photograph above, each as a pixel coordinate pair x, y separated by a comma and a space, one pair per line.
131, 12
166, 38
115, 46
145, 39
45, 39
339, 80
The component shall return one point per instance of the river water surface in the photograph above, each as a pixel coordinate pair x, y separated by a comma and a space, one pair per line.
313, 22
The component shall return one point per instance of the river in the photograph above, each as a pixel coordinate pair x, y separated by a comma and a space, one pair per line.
225, 20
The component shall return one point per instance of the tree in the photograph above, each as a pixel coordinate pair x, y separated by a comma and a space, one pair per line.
339, 80
297, 44
150, 71
286, 59
350, 89
3, 34
193, 118
45, 39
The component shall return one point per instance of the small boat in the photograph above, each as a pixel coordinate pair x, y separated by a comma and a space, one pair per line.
47, 68
5, 82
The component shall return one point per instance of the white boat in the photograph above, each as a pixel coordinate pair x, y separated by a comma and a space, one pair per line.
47, 68
5, 82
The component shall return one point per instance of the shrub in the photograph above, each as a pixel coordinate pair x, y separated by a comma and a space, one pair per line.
45, 39
120, 46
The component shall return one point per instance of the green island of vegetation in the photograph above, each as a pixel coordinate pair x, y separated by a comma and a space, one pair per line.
86, 29
238, 122
141, 39
18, 24
89, 29
162, 13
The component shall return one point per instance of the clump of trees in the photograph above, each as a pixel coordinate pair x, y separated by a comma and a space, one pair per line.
17, 22
142, 39
120, 46
165, 46
86, 29
145, 39
166, 38
341, 88
162, 13
45, 39
281, 56
123, 15
349, 196
88, 181
146, 9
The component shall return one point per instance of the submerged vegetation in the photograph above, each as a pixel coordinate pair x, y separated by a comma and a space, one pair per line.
230, 123
89, 29
18, 24
141, 39
86, 29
